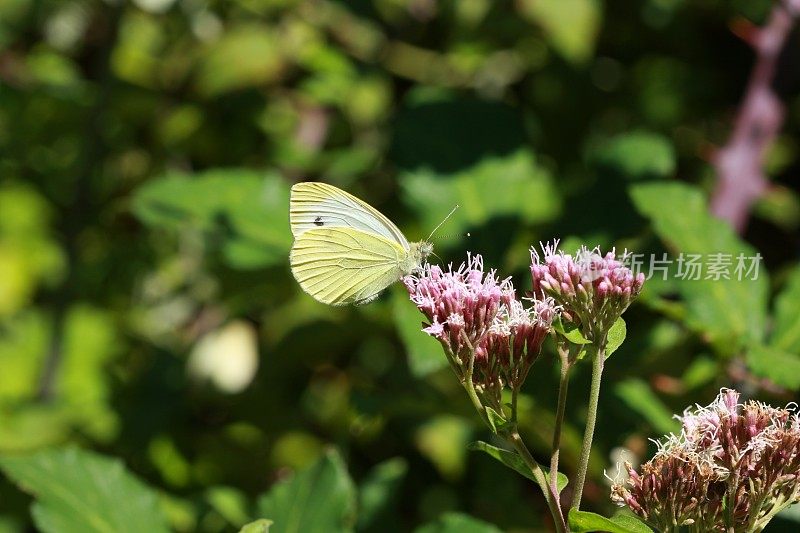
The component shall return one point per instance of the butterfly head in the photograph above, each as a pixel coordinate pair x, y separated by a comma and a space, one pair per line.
418, 255
425, 249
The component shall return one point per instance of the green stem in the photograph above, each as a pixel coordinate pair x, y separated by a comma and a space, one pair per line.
468, 384
591, 417
733, 485
451, 358
562, 403
476, 402
541, 480
516, 441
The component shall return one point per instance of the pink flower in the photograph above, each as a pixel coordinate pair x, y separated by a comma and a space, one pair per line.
514, 340
593, 289
460, 304
475, 314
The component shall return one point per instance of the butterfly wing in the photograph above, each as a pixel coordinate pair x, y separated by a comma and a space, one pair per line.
340, 266
316, 205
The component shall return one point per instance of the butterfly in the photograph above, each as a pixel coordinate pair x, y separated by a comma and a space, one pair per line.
345, 251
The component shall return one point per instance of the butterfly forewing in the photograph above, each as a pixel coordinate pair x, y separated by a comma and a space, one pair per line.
343, 265
317, 205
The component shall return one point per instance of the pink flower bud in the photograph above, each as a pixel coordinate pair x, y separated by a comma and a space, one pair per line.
595, 287
469, 308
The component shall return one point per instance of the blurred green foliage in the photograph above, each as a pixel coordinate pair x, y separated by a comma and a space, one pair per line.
147, 148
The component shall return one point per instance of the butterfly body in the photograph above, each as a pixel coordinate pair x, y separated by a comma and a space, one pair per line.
345, 251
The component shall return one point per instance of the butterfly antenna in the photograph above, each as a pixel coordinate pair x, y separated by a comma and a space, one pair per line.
442, 222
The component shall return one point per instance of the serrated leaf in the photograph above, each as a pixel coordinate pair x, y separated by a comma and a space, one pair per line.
77, 491
320, 499
783, 368
457, 523
616, 336
379, 491
786, 331
514, 461
259, 526
586, 522
731, 312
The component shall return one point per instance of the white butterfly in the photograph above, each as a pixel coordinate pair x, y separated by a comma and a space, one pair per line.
345, 251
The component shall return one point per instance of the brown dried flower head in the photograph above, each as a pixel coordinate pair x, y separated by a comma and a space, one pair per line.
732, 468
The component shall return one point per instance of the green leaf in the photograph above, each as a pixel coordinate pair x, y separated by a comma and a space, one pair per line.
79, 491
571, 25
729, 312
515, 462
425, 354
320, 499
248, 209
616, 336
246, 56
791, 514
90, 343
636, 156
640, 398
494, 187
786, 333
569, 331
443, 440
496, 420
457, 523
230, 503
81, 388
379, 492
586, 522
701, 371
783, 368
259, 526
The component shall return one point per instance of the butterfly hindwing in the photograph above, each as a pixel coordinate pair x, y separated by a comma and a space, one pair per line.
315, 205
342, 265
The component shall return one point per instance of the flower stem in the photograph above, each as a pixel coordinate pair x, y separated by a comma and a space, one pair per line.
562, 403
516, 442
541, 480
591, 417
733, 483
469, 385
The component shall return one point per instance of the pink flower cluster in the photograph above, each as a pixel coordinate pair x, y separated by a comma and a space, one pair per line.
473, 313
732, 468
593, 289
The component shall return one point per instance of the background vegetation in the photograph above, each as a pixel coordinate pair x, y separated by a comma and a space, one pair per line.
147, 311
